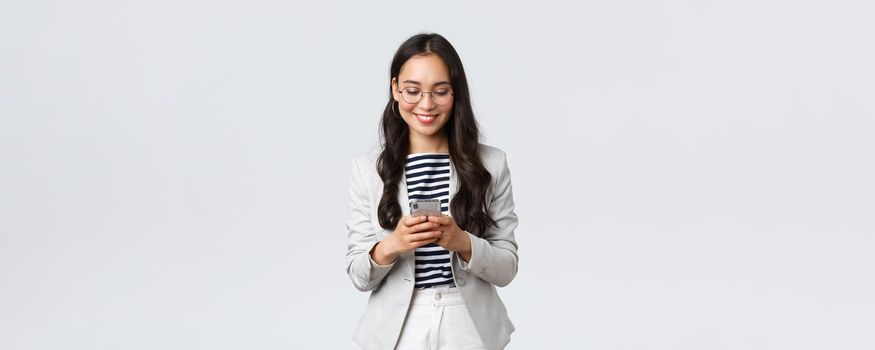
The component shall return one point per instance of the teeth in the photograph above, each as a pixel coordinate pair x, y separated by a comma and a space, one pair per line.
425, 118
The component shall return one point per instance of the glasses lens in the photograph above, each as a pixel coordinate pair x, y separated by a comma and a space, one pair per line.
411, 95
442, 96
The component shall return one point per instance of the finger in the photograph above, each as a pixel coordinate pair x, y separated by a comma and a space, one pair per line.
425, 226
424, 236
423, 242
443, 219
413, 220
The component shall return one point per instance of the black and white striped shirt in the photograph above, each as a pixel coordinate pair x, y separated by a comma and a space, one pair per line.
428, 177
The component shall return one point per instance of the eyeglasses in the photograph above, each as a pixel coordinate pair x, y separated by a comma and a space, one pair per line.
440, 96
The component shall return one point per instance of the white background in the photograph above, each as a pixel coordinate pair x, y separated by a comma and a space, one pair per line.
688, 175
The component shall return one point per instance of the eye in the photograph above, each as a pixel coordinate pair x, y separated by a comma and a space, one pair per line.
411, 91
441, 92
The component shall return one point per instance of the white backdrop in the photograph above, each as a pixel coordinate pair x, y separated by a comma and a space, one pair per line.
688, 175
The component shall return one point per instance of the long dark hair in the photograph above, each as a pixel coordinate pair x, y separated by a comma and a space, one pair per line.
468, 205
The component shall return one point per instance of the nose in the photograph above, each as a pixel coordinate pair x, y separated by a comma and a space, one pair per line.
427, 101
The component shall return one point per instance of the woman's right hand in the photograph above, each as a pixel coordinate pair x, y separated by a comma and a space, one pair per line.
411, 232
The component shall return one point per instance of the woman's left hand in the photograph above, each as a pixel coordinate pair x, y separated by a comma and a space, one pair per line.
452, 237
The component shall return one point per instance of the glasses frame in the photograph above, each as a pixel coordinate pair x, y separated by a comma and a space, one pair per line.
419, 99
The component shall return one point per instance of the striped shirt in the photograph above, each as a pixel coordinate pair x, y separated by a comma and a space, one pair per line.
428, 177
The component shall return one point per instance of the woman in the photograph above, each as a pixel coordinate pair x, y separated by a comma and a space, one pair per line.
432, 278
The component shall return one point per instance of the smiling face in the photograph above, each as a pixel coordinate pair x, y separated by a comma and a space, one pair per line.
425, 118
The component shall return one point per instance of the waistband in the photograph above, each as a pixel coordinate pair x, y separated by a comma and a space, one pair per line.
443, 295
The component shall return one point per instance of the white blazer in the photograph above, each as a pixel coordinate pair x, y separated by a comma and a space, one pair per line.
493, 257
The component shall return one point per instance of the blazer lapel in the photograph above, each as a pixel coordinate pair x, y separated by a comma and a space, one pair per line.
402, 196
404, 201
453, 180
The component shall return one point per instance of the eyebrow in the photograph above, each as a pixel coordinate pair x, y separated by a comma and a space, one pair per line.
435, 84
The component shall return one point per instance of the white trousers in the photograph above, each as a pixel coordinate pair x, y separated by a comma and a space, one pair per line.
438, 320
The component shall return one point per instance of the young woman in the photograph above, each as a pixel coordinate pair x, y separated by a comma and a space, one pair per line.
432, 278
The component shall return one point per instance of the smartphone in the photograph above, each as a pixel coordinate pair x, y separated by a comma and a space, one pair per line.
427, 207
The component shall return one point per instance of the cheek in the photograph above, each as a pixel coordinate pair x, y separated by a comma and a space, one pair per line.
407, 107
448, 110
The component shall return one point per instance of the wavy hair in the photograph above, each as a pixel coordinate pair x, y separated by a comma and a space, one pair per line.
468, 205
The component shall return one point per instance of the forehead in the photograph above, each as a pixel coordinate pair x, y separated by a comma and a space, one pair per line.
426, 69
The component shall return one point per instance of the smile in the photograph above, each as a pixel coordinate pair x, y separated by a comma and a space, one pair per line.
426, 118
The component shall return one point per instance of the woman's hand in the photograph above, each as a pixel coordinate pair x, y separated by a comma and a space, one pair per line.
409, 234
452, 237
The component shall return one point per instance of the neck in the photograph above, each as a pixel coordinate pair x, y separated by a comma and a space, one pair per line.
429, 144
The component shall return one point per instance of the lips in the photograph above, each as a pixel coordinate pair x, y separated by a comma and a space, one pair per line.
426, 118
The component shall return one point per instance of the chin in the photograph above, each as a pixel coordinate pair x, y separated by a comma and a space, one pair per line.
429, 131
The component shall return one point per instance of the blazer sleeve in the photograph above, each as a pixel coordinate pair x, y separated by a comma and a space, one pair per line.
365, 274
494, 254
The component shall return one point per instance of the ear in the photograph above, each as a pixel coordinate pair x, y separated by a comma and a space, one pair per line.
394, 85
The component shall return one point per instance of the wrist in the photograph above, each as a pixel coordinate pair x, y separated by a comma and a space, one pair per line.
380, 255
465, 252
